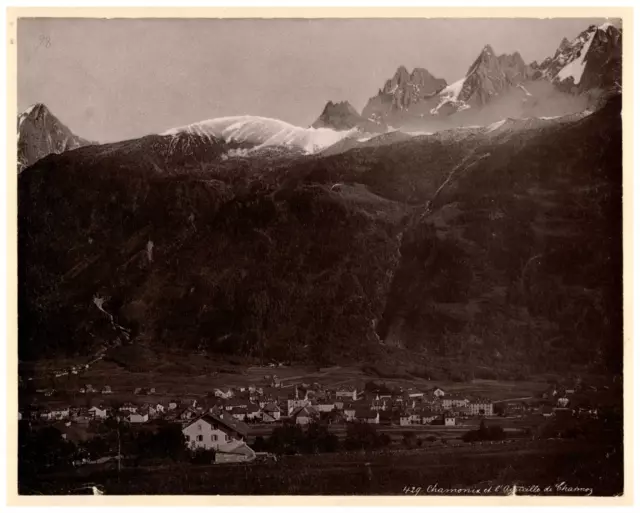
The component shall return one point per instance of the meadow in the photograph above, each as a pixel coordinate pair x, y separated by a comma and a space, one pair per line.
525, 463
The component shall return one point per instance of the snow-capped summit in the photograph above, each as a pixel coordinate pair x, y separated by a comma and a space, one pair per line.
40, 133
257, 132
592, 60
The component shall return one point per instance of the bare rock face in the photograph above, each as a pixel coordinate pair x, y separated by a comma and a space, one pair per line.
491, 75
40, 133
343, 116
403, 94
593, 60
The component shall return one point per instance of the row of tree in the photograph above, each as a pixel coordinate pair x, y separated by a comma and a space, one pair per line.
316, 438
484, 433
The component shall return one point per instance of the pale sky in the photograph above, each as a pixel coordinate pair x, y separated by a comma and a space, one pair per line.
111, 80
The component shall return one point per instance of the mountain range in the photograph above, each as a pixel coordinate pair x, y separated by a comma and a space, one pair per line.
495, 245
500, 86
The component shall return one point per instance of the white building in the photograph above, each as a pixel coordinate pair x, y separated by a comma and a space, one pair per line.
138, 418
455, 401
324, 407
293, 404
438, 392
214, 432
226, 393
349, 413
347, 393
304, 415
98, 412
480, 407
270, 412
413, 393
129, 407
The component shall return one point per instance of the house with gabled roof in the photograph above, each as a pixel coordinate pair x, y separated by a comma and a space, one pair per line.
270, 413
138, 418
224, 393
304, 415
294, 402
99, 412
214, 431
437, 392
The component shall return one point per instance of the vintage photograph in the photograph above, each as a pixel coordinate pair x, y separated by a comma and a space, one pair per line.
324, 257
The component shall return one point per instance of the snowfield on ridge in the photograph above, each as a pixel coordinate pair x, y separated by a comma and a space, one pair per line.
264, 132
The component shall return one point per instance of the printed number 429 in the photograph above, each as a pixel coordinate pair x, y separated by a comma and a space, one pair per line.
412, 490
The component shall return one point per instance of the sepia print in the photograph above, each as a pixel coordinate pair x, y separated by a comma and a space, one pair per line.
343, 257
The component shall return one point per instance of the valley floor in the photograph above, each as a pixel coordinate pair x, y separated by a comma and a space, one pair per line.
568, 467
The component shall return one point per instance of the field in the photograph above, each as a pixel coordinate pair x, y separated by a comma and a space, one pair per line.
202, 376
595, 468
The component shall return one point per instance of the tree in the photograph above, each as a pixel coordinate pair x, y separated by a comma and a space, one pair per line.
259, 444
362, 436
286, 439
171, 442
385, 440
409, 439
42, 450
319, 439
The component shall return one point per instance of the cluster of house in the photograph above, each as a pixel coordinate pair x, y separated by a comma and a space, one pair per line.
300, 404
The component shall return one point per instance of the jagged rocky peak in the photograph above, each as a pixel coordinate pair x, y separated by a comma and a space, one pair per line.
36, 111
592, 60
343, 107
490, 75
400, 77
402, 95
343, 116
487, 51
418, 82
564, 44
40, 133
